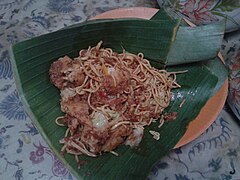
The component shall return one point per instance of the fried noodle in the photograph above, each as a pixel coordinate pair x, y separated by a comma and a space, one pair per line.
108, 98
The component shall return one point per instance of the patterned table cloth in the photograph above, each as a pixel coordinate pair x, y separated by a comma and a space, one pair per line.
23, 152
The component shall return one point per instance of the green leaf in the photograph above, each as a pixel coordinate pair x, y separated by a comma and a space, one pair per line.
115, 33
196, 43
31, 60
219, 70
192, 44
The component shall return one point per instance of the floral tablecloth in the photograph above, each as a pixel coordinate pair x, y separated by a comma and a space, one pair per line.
23, 152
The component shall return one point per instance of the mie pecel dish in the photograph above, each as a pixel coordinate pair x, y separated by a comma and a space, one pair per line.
32, 59
109, 98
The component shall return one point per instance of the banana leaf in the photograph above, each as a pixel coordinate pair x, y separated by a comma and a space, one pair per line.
156, 38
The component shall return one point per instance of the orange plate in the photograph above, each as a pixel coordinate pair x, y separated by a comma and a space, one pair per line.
211, 109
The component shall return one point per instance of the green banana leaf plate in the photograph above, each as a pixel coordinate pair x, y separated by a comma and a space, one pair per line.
166, 42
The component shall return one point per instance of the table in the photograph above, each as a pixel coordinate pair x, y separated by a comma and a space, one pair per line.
23, 152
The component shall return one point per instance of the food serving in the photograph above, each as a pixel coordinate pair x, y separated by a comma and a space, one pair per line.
108, 98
